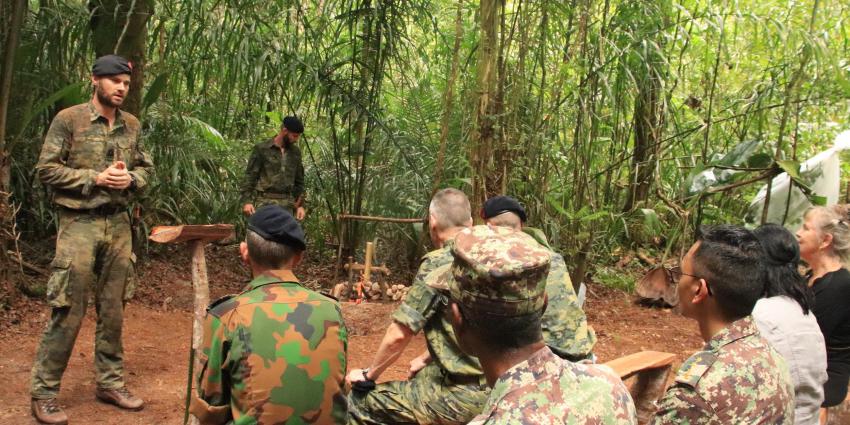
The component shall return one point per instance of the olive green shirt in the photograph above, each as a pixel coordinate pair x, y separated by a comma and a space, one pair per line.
273, 172
79, 145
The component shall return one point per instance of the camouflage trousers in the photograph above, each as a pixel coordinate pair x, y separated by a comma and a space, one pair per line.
286, 203
93, 257
428, 398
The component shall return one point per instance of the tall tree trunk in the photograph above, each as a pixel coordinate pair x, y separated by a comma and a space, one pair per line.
7, 216
120, 27
485, 172
648, 124
448, 101
649, 69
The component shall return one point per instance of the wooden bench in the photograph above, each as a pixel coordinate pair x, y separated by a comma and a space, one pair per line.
647, 372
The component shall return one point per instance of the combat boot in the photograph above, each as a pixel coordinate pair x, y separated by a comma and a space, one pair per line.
47, 411
121, 397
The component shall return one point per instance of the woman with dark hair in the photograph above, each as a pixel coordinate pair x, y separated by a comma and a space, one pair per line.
825, 245
785, 318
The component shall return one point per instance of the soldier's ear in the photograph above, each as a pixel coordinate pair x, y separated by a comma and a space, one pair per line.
243, 253
296, 259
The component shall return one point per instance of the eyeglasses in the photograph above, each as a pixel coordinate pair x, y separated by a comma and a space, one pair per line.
674, 275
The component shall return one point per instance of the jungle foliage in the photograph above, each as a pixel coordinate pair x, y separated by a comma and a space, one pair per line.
595, 113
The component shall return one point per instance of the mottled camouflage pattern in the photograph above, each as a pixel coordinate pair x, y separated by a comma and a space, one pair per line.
423, 308
546, 389
273, 177
737, 379
565, 327
431, 397
499, 270
79, 145
275, 354
93, 256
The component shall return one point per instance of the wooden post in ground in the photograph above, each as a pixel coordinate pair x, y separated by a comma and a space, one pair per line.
198, 236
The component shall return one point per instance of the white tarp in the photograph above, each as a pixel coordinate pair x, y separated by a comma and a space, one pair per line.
822, 173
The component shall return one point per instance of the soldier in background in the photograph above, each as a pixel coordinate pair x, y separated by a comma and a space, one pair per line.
447, 386
275, 172
738, 378
276, 353
94, 164
497, 286
565, 327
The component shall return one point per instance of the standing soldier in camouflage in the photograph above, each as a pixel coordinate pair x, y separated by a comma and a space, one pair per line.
565, 327
275, 173
738, 378
450, 389
274, 354
497, 286
93, 162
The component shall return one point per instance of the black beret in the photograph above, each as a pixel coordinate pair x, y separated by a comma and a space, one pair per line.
276, 224
293, 124
111, 65
502, 204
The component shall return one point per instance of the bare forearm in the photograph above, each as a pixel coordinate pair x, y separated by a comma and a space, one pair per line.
393, 344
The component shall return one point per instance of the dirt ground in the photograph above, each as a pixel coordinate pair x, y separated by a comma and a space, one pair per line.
158, 329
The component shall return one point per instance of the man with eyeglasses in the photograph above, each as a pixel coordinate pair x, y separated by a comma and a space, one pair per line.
737, 378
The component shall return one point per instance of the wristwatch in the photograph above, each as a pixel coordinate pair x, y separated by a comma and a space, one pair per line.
366, 374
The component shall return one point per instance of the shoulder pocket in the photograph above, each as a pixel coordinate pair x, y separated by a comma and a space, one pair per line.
58, 291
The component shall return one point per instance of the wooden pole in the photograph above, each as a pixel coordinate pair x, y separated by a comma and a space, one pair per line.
385, 219
201, 287
367, 263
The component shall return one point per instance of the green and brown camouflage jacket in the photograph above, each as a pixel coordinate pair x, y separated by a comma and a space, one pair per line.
274, 354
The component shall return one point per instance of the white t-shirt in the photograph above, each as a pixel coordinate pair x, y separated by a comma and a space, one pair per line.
797, 337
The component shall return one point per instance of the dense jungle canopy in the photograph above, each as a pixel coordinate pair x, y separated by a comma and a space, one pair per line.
596, 114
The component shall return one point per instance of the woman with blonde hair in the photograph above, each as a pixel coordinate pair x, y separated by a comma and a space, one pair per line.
825, 245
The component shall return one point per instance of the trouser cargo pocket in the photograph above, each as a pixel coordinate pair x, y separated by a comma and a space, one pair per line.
130, 283
57, 287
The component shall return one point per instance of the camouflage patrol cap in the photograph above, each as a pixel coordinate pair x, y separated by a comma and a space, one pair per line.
498, 271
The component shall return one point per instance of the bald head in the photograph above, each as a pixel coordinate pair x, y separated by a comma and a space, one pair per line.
506, 219
450, 208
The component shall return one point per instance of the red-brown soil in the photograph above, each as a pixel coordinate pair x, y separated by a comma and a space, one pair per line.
158, 327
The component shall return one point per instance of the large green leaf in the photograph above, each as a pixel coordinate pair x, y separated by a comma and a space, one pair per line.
791, 167
67, 91
155, 90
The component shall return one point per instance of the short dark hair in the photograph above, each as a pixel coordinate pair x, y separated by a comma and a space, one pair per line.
729, 259
266, 253
500, 333
781, 262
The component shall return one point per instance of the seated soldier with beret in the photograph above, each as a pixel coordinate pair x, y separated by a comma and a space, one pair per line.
497, 286
276, 353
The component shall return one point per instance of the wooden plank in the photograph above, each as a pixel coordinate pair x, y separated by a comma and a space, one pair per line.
627, 366
191, 232
359, 267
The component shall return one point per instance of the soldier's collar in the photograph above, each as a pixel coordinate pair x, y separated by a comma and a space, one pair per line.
273, 276
740, 328
95, 115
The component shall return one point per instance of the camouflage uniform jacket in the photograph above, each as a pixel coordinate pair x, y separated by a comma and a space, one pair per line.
79, 145
273, 172
546, 389
565, 327
275, 354
737, 379
423, 309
